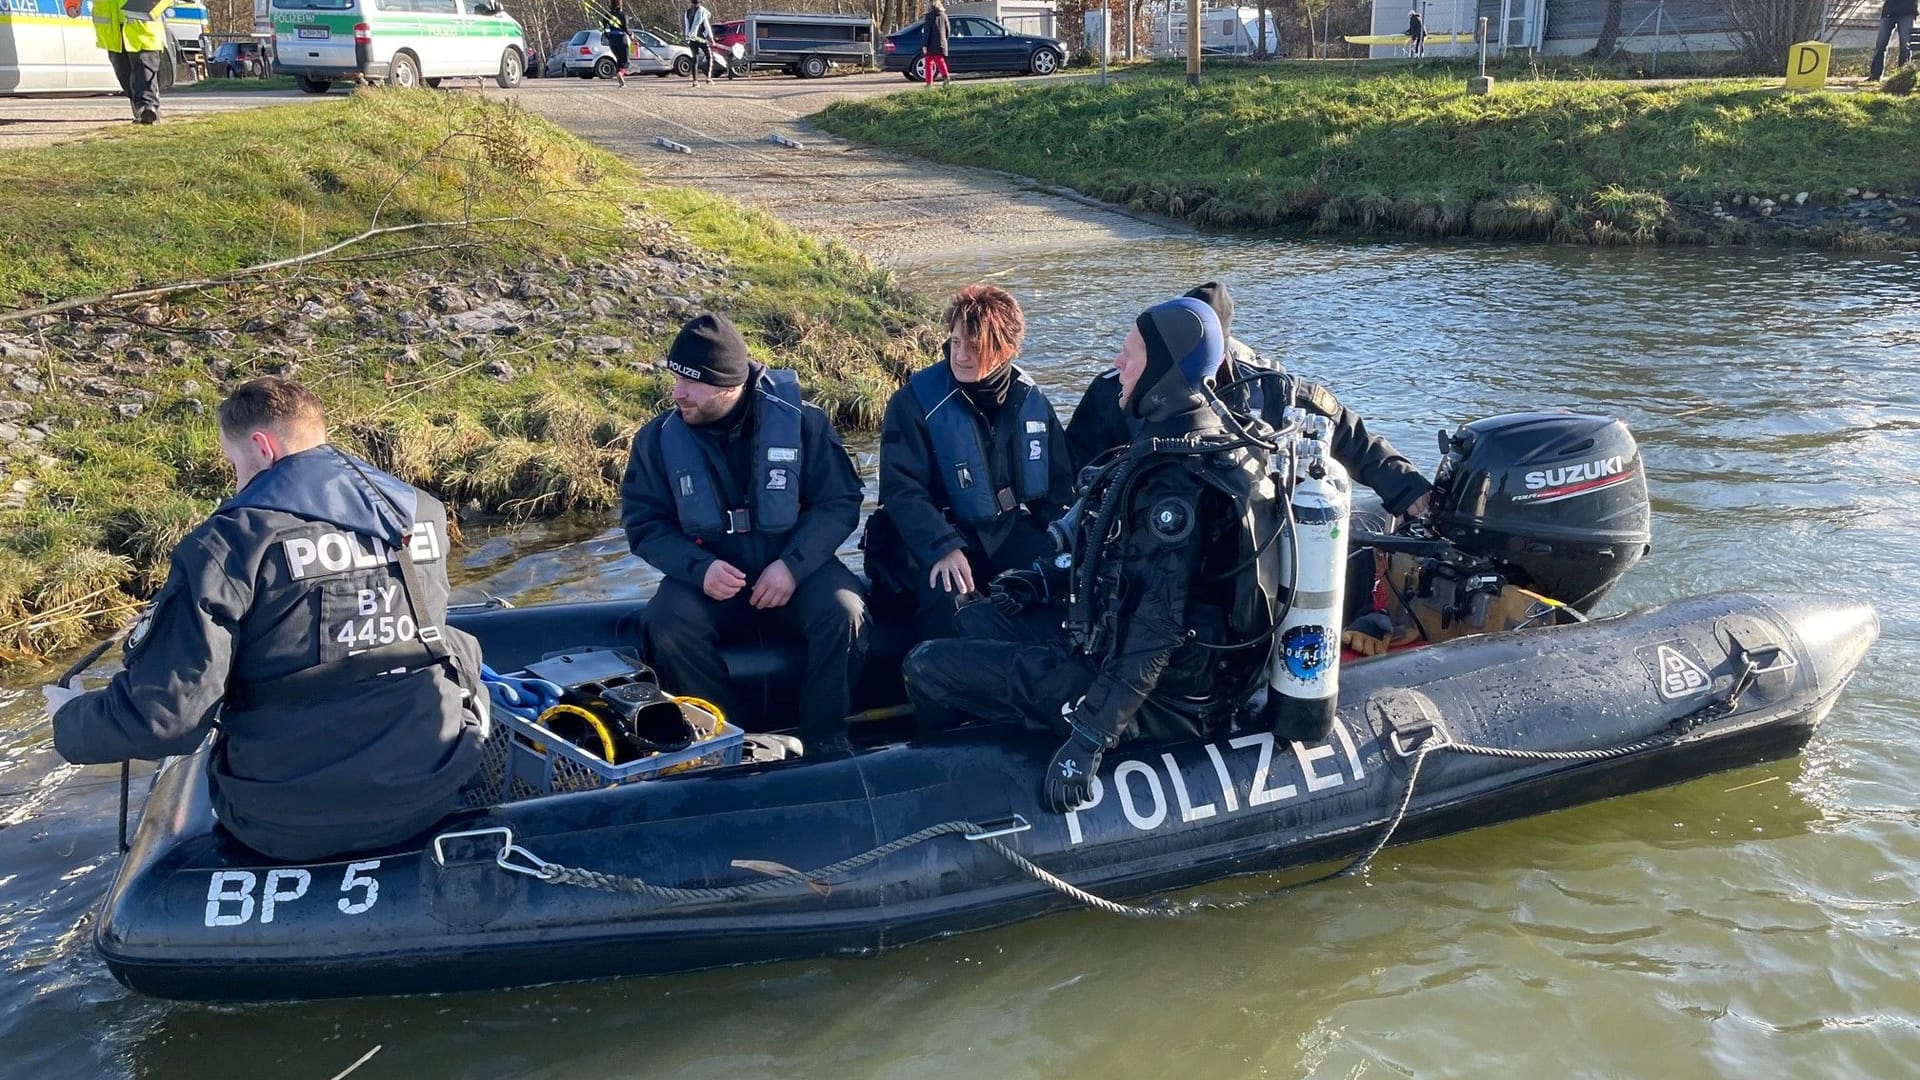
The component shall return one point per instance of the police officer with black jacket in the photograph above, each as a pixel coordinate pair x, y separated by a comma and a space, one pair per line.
304, 624
740, 497
1252, 385
1170, 598
973, 467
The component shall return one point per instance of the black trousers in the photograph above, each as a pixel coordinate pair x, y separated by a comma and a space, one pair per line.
826, 614
139, 75
1898, 28
958, 680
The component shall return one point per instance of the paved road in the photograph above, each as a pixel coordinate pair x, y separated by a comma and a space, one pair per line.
898, 210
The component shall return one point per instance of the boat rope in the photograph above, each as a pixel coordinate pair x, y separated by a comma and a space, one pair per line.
1439, 738
1442, 740
519, 860
1155, 909
1650, 743
781, 877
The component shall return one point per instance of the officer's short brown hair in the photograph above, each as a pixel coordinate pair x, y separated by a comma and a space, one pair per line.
273, 402
988, 319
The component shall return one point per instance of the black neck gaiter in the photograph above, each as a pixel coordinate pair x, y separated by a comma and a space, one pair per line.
991, 392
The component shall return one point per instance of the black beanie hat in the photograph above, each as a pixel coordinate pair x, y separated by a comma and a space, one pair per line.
709, 350
1215, 295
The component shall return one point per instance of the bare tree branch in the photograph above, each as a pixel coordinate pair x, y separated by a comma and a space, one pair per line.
243, 274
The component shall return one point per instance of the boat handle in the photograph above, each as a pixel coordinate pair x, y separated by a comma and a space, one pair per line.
533, 867
1006, 826
440, 852
1436, 733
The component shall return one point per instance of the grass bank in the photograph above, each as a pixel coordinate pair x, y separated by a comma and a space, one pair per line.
1337, 148
499, 352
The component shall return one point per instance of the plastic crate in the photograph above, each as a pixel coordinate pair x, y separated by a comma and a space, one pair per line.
549, 765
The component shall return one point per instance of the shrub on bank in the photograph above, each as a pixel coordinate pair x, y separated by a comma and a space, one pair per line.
501, 360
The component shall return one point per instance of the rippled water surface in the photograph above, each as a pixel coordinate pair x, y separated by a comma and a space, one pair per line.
1760, 923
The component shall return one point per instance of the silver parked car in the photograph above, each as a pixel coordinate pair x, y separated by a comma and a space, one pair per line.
589, 57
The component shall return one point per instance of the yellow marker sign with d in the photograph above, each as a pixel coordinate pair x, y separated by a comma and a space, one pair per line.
1807, 64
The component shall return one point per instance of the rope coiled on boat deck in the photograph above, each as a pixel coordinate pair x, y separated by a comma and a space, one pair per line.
782, 878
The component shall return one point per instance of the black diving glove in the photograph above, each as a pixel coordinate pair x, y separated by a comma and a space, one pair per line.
1014, 591
1069, 782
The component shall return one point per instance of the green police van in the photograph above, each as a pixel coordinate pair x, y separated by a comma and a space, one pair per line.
402, 42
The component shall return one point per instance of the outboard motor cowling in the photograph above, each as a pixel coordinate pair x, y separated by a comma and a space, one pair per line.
1558, 501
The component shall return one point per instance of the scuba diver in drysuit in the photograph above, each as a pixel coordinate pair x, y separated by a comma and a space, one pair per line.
1167, 607
1255, 386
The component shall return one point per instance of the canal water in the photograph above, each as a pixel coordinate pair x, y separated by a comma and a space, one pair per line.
1759, 923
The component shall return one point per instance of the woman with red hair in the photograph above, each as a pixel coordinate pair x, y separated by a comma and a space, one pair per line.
973, 466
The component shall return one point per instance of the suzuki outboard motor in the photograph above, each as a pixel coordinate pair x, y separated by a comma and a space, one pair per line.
1303, 670
1557, 501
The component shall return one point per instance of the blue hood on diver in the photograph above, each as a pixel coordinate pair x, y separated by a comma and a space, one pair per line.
1184, 348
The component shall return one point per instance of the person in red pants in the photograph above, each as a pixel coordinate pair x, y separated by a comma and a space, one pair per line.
933, 42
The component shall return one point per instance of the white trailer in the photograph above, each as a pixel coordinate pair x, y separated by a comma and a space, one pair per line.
1224, 31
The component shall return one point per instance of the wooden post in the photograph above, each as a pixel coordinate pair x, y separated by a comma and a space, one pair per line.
1193, 42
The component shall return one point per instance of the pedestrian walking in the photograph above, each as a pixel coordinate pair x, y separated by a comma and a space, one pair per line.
130, 31
697, 25
933, 43
619, 39
1894, 15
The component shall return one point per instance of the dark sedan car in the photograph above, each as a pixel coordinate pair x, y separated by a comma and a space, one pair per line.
975, 44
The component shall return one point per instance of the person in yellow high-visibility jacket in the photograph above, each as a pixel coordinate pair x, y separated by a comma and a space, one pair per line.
136, 42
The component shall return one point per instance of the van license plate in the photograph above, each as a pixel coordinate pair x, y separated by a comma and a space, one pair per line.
320, 33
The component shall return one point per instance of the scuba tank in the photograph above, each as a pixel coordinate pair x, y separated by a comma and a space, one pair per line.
1303, 670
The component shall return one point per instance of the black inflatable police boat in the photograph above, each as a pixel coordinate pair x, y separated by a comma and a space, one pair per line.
907, 841
194, 915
